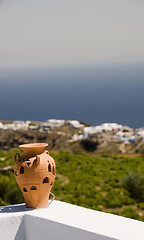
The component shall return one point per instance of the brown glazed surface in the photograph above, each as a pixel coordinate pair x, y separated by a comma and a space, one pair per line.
35, 173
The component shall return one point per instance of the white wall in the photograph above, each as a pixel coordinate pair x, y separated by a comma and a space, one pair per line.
62, 221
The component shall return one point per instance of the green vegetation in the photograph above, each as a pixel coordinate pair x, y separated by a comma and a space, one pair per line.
134, 183
107, 183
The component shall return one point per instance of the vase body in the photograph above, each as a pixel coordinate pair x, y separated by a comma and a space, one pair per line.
35, 173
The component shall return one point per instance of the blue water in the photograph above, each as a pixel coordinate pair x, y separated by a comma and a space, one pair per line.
92, 94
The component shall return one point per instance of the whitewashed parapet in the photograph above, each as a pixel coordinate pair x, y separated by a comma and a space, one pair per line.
66, 222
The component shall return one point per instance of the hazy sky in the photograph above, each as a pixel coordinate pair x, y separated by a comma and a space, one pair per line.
70, 32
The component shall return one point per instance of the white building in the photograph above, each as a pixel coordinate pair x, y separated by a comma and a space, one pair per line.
54, 123
16, 125
140, 133
106, 127
75, 124
1, 125
89, 131
76, 137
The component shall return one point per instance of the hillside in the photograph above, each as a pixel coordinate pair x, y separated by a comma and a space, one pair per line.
97, 167
73, 136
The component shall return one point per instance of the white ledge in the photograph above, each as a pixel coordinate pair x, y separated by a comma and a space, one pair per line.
63, 221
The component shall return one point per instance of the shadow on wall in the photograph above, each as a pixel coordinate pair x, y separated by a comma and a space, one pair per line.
39, 228
20, 235
17, 208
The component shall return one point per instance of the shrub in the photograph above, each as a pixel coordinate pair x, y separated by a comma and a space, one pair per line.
116, 199
89, 145
9, 190
133, 182
2, 203
14, 195
130, 213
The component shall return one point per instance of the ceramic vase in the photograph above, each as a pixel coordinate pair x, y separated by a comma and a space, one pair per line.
35, 172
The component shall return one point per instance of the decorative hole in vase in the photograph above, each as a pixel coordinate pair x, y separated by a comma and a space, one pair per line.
25, 190
33, 188
49, 167
46, 180
22, 170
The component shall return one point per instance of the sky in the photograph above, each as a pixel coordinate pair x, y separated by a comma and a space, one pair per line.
35, 33
72, 59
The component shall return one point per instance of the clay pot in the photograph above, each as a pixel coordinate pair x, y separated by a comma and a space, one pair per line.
35, 173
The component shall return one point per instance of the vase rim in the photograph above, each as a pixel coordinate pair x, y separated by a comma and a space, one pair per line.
33, 145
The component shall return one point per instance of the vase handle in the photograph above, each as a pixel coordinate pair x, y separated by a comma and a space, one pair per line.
53, 197
16, 156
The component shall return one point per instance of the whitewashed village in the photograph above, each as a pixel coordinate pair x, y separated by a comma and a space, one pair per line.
73, 131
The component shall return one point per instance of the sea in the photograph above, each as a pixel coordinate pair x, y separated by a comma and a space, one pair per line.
91, 94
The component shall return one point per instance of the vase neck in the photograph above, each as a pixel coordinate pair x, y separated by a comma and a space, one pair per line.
32, 149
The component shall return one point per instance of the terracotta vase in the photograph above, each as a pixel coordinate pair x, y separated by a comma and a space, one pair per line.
35, 173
